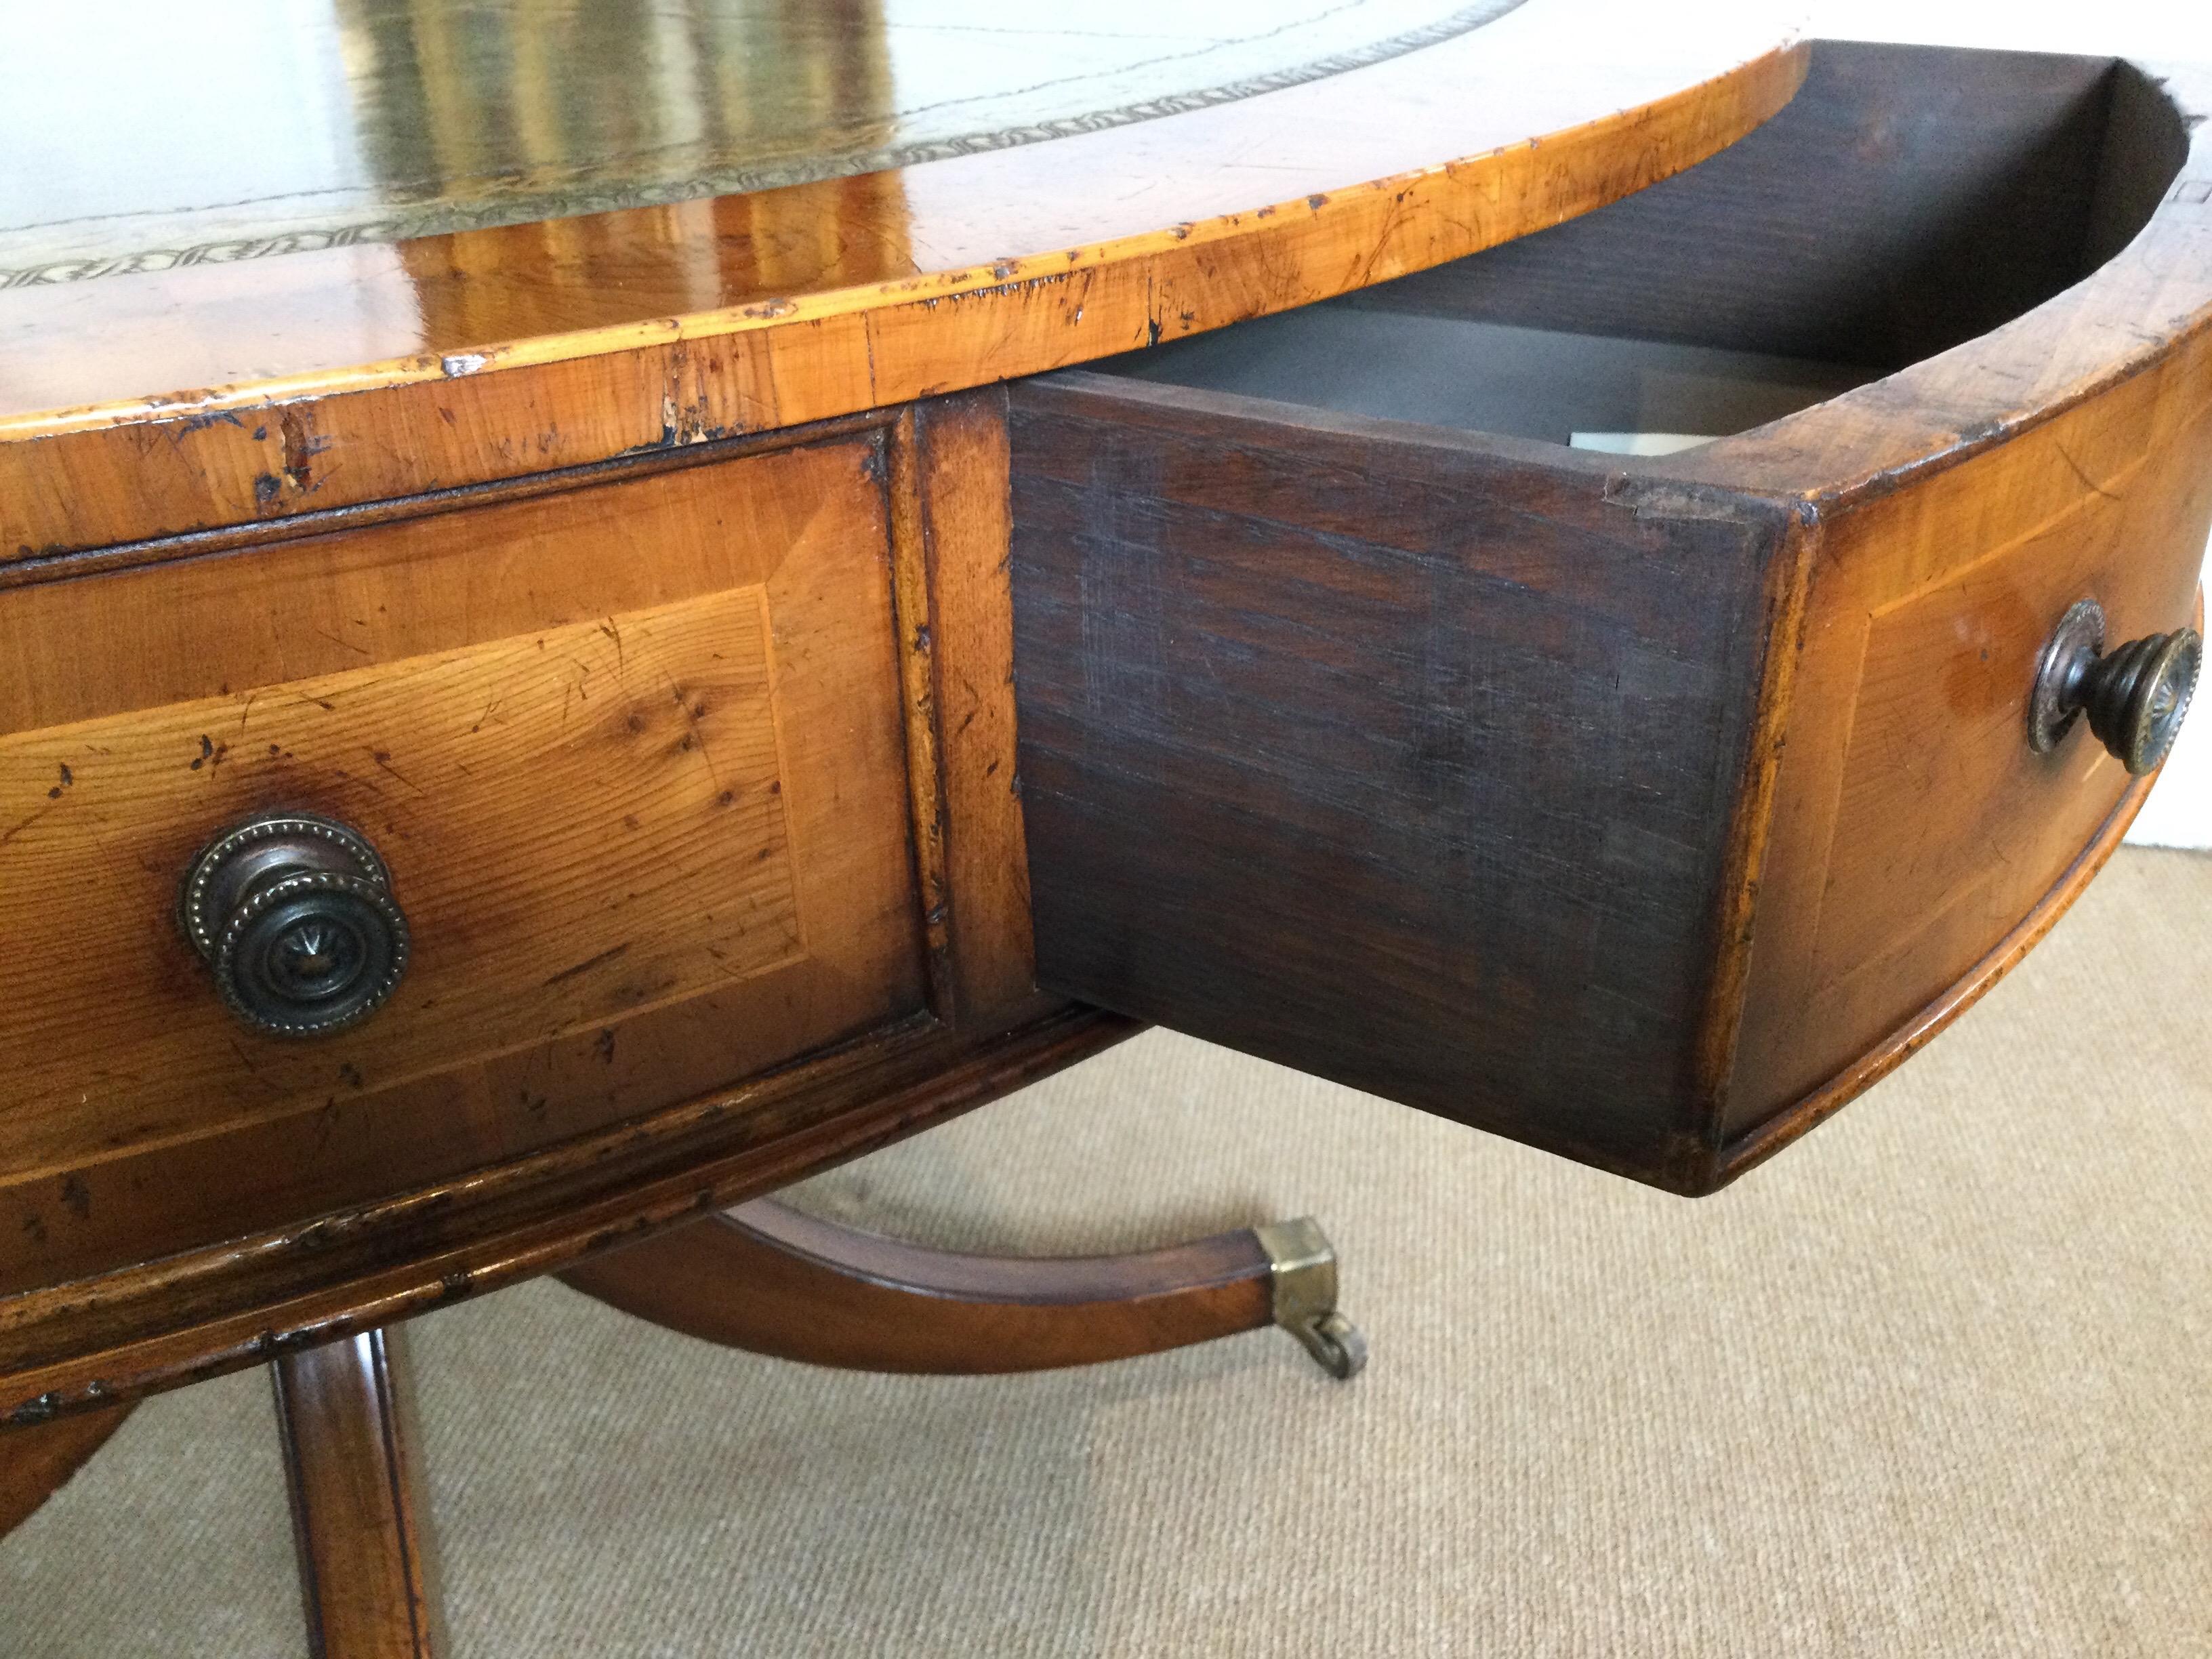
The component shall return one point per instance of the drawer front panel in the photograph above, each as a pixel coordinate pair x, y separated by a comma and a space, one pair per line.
564, 855
1915, 828
634, 757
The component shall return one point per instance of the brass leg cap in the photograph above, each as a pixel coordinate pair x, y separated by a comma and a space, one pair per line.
1304, 1263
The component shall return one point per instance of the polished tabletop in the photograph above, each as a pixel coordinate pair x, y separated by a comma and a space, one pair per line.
233, 204
346, 121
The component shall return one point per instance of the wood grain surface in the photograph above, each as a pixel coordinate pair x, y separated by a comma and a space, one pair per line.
77, 1346
496, 352
359, 1517
634, 755
771, 1280
1402, 756
1913, 825
37, 1461
515, 949
1642, 807
1330, 756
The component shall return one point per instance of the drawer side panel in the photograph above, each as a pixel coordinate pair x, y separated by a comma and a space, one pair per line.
1400, 758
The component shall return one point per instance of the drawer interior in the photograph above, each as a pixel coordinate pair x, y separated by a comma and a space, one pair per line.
1593, 392
1908, 199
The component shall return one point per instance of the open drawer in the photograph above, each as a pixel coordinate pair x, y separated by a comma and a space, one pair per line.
1644, 807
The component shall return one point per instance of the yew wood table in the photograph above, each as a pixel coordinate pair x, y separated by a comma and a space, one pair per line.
574, 648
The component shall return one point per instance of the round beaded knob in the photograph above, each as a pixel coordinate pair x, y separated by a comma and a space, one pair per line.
2136, 695
294, 914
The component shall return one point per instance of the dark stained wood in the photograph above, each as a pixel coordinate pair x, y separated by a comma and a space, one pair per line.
1959, 504
2145, 149
773, 1281
1402, 756
38, 1459
1962, 504
1955, 189
74, 1346
1643, 808
357, 1513
1332, 755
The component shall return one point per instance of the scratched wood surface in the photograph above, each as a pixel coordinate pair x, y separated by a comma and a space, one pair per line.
532, 925
402, 120
77, 1346
1262, 807
1400, 756
963, 489
346, 1423
134, 406
1948, 490
635, 756
2024, 241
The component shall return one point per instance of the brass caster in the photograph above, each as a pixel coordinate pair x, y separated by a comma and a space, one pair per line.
1335, 1344
1304, 1283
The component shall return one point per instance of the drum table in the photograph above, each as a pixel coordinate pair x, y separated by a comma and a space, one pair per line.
603, 607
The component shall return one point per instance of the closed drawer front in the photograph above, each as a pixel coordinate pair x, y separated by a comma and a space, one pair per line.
1644, 798
632, 751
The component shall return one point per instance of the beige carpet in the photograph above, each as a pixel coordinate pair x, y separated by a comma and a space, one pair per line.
1935, 1382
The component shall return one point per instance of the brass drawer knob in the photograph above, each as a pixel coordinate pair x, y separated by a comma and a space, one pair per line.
295, 915
2136, 695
